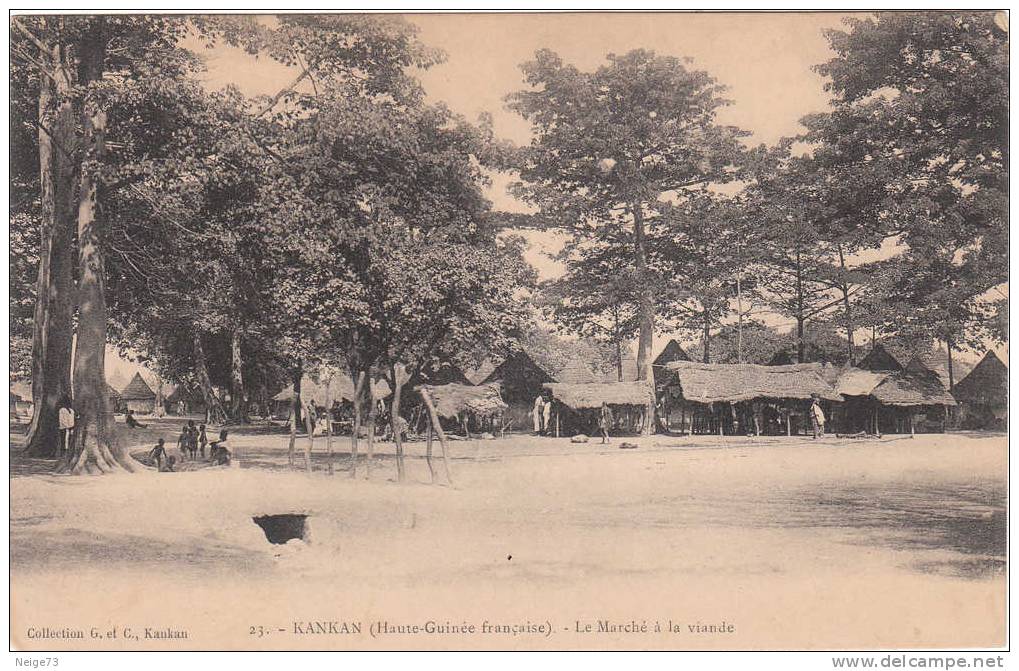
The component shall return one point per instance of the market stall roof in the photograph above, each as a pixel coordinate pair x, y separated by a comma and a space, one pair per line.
713, 382
452, 399
592, 395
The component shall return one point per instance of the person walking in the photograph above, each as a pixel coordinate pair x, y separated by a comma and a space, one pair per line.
816, 416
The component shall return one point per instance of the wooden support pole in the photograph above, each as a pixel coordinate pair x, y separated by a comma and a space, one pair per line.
434, 417
788, 423
329, 424
428, 451
912, 427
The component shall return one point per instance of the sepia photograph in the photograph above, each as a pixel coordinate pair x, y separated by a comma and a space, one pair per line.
509, 331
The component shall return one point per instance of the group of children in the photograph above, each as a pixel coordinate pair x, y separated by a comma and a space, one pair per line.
191, 444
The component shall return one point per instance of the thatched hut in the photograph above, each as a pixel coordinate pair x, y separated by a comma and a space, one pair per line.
21, 401
576, 407
983, 394
742, 398
138, 396
481, 406
520, 379
890, 401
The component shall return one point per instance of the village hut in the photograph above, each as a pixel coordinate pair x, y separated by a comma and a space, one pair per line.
192, 398
579, 371
21, 401
521, 380
742, 398
138, 396
576, 407
879, 358
340, 392
890, 401
983, 394
480, 406
812, 353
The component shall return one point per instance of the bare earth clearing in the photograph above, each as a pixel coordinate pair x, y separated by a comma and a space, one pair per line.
840, 543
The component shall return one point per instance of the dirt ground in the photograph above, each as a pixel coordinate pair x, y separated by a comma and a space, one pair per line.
699, 542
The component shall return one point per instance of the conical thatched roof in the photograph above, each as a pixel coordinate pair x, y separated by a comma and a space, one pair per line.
879, 358
137, 390
673, 351
986, 384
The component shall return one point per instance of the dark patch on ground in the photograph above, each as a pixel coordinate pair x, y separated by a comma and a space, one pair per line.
282, 528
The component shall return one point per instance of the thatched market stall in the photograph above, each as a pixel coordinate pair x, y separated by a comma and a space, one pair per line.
576, 407
741, 398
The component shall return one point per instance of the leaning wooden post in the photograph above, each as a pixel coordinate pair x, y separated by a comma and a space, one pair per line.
434, 417
428, 451
329, 422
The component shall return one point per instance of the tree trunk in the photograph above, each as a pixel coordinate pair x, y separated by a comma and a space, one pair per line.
213, 408
93, 448
394, 419
617, 340
356, 433
739, 313
951, 367
373, 413
707, 336
800, 346
646, 307
433, 418
53, 317
295, 409
238, 409
848, 310
329, 423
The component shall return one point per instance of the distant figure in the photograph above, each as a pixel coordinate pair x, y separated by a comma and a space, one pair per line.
536, 414
158, 453
65, 416
182, 442
203, 440
605, 422
192, 439
131, 422
221, 453
816, 416
181, 408
546, 417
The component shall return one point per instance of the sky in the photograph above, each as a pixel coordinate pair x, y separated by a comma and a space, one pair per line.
764, 59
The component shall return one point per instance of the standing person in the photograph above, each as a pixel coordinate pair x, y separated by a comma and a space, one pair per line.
181, 408
536, 413
816, 416
546, 416
65, 417
203, 440
605, 422
183, 441
192, 439
158, 453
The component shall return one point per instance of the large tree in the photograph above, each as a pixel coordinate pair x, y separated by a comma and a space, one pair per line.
921, 119
612, 144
